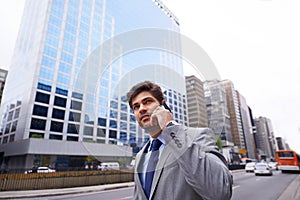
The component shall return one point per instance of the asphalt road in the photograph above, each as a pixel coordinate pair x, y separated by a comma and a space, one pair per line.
246, 186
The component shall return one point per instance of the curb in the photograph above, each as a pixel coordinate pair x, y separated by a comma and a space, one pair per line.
62, 191
292, 192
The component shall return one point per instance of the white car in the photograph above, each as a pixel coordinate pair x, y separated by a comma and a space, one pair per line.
40, 170
45, 170
250, 167
263, 169
273, 165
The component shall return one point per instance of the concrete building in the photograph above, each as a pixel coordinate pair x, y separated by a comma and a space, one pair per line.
234, 113
281, 144
64, 101
196, 103
247, 127
217, 111
264, 137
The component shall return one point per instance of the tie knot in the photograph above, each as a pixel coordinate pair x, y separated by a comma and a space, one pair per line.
155, 145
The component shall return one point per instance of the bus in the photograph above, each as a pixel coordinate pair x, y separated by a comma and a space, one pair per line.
288, 160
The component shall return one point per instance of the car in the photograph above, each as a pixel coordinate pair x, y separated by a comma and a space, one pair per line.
45, 170
263, 168
40, 170
273, 165
250, 167
109, 166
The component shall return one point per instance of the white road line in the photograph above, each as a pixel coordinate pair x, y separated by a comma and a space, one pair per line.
237, 186
129, 197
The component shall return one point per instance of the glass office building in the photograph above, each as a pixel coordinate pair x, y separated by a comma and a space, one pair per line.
73, 63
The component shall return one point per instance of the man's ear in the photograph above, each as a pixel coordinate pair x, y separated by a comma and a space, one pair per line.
163, 101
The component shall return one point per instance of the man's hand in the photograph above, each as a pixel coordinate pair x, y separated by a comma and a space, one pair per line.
159, 118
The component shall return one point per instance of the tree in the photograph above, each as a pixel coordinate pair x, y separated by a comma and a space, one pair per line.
219, 142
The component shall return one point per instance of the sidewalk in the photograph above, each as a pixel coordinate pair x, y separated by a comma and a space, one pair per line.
63, 191
292, 192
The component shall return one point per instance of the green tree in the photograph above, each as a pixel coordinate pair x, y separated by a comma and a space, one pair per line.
219, 142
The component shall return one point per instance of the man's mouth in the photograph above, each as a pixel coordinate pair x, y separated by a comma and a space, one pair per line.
145, 117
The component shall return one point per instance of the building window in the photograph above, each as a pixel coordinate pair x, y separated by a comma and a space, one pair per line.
113, 124
44, 87
14, 126
58, 101
73, 128
77, 95
73, 116
61, 91
72, 138
5, 140
88, 130
101, 141
102, 121
123, 136
36, 135
7, 128
112, 134
76, 105
38, 124
40, 110
58, 114
55, 137
17, 113
12, 138
101, 132
41, 97
56, 126
10, 115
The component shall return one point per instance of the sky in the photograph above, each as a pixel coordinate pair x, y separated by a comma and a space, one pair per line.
253, 43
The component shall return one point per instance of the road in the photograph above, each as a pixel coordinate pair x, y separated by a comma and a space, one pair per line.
247, 186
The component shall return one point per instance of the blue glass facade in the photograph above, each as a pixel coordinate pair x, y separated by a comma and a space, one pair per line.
75, 68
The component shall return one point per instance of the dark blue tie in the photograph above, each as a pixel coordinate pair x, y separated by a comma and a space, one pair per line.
152, 165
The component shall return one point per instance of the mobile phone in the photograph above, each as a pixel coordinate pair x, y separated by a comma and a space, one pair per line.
166, 107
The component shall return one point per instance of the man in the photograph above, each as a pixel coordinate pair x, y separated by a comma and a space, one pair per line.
177, 162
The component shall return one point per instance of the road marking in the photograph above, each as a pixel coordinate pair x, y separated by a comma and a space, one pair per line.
129, 197
237, 186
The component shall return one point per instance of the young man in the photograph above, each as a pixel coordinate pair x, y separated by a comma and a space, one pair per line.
177, 162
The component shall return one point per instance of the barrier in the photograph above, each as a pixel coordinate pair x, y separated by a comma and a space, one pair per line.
54, 180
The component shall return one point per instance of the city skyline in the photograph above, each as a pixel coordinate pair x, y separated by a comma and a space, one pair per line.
258, 53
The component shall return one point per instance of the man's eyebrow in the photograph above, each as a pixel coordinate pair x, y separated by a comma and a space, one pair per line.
135, 104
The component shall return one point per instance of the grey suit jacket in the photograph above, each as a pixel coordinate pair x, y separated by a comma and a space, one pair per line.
189, 168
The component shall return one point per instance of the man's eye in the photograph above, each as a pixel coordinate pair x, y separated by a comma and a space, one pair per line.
148, 101
135, 107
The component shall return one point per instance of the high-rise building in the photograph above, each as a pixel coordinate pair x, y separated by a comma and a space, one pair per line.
217, 111
281, 145
196, 103
74, 61
234, 113
247, 127
264, 137
3, 74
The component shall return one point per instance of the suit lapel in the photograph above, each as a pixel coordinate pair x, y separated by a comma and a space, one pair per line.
139, 169
164, 160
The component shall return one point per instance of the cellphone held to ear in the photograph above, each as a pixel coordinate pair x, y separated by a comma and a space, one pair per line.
166, 107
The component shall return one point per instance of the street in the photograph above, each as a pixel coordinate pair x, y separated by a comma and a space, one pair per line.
246, 186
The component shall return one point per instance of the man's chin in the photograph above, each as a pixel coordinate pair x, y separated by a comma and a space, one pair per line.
153, 131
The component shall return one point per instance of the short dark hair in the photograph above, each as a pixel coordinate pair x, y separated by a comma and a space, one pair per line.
148, 86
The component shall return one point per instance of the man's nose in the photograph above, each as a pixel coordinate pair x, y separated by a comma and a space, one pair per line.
142, 108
